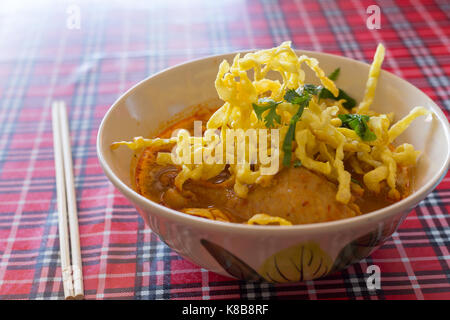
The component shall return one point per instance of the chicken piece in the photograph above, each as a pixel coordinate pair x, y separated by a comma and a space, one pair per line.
295, 194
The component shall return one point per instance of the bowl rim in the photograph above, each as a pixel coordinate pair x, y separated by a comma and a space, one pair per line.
368, 218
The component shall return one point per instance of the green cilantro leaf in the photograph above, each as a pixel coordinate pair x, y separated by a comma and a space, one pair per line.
271, 116
358, 123
302, 100
349, 103
312, 89
335, 74
301, 96
294, 96
356, 181
297, 163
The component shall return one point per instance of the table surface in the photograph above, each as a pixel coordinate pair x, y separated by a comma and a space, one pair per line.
45, 55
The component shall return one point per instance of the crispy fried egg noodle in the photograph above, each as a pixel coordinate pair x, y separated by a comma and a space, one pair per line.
322, 144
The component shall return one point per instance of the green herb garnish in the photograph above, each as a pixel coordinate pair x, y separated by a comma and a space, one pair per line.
323, 93
335, 74
271, 116
349, 103
312, 89
358, 123
356, 181
297, 163
302, 100
301, 97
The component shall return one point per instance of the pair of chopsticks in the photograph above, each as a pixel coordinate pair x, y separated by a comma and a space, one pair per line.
67, 205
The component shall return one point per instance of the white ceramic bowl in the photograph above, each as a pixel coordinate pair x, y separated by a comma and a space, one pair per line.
272, 253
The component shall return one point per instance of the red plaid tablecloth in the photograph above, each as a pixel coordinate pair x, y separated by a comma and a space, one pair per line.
46, 55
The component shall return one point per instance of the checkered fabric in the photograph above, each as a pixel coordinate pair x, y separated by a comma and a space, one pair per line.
46, 56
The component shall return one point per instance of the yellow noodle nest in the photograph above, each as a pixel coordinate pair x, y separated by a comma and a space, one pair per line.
321, 144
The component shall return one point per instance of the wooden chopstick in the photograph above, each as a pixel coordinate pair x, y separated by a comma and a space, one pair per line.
67, 207
62, 206
71, 204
